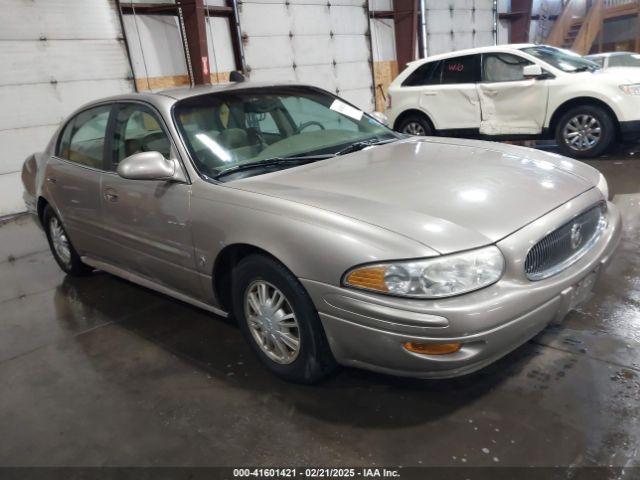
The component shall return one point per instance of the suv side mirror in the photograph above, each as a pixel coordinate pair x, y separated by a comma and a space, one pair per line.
147, 166
532, 71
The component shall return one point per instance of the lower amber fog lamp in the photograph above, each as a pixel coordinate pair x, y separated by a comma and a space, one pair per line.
432, 348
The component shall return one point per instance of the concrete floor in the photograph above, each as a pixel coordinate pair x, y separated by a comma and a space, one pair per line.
98, 371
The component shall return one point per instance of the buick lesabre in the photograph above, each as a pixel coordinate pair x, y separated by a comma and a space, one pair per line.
328, 237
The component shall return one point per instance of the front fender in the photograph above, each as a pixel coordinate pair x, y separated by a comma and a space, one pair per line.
313, 244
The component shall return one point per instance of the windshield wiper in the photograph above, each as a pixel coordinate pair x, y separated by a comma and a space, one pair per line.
271, 162
354, 147
300, 160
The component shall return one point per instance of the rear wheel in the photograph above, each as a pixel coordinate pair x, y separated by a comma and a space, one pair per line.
415, 124
61, 247
585, 132
279, 321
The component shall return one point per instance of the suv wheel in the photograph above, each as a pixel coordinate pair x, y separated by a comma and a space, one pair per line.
61, 247
280, 321
415, 124
585, 132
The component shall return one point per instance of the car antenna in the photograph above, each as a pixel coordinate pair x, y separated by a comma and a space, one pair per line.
236, 77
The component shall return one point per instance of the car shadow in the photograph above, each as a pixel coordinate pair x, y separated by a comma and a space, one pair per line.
215, 346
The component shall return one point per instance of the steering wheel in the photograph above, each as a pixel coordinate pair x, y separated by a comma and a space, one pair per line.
309, 124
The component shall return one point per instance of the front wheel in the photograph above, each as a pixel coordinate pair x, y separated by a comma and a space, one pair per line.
280, 321
585, 132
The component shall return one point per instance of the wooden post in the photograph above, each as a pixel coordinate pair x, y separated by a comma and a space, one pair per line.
405, 19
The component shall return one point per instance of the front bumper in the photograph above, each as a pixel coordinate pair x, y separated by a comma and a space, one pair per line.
367, 330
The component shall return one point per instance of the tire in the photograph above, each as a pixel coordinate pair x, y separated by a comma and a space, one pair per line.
67, 258
313, 359
415, 124
577, 124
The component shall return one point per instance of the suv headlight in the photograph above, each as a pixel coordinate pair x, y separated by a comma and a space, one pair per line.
435, 277
633, 89
603, 187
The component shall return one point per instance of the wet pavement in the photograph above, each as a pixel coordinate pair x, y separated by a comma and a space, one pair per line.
98, 371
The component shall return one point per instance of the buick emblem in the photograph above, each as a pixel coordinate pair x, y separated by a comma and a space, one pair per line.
576, 235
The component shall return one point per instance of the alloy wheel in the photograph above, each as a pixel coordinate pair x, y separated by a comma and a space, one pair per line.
60, 241
272, 322
414, 128
582, 132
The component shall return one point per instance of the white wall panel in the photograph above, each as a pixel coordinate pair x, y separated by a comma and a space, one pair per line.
383, 39
310, 42
155, 45
11, 194
58, 19
56, 55
381, 5
36, 62
459, 24
219, 44
47, 104
18, 144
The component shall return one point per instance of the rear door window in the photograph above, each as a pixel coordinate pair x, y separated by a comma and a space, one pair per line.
464, 69
82, 140
427, 74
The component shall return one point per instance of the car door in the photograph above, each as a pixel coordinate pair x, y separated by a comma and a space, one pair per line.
452, 102
147, 222
73, 176
511, 104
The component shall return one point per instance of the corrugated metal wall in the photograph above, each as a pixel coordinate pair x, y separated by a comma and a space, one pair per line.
55, 56
459, 24
311, 41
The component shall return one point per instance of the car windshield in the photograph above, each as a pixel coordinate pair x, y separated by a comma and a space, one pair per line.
564, 60
225, 131
625, 60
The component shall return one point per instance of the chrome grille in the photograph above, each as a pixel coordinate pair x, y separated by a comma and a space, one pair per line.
566, 245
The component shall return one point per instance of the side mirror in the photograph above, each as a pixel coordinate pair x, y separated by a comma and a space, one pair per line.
532, 71
381, 117
147, 166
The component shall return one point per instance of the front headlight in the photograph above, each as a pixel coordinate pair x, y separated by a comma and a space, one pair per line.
603, 187
435, 277
633, 89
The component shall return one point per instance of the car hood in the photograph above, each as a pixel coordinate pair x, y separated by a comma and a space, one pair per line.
613, 75
449, 195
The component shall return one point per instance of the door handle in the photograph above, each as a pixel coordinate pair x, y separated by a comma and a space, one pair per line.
51, 180
111, 196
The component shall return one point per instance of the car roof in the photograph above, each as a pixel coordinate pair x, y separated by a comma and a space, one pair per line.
170, 96
472, 51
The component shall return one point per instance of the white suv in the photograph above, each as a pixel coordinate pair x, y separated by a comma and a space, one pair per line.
518, 92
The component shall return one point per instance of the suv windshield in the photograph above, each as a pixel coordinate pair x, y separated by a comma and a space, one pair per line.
227, 130
561, 59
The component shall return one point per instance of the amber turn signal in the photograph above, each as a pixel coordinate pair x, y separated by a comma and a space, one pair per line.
432, 348
371, 278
